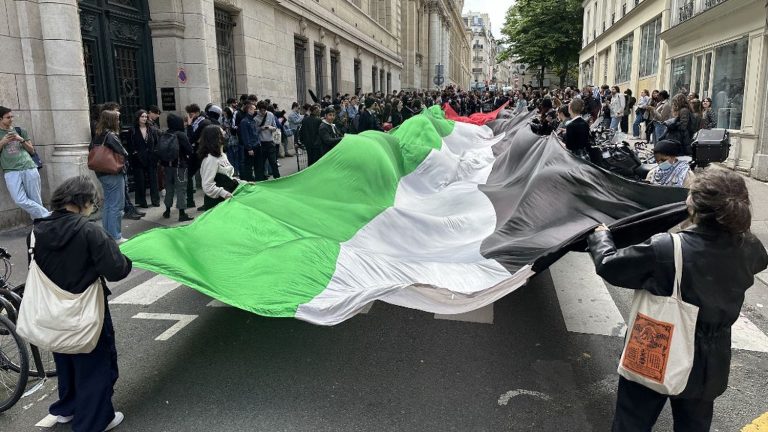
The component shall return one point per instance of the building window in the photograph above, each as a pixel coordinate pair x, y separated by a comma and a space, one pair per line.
624, 59
587, 71
728, 83
374, 75
358, 76
382, 74
680, 76
649, 48
225, 49
334, 73
300, 53
389, 82
319, 63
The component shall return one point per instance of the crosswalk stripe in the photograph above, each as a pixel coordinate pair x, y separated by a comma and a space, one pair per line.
745, 335
484, 315
147, 292
216, 303
585, 302
182, 321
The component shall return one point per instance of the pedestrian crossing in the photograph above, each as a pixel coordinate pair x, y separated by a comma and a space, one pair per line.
585, 302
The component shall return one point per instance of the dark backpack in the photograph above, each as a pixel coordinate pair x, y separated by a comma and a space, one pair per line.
167, 148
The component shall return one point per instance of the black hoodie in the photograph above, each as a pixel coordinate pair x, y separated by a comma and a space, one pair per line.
73, 252
176, 127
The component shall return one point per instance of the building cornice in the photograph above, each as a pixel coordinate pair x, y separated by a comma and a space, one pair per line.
644, 4
333, 23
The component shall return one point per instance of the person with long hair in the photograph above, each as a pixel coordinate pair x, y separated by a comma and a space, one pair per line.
708, 116
217, 173
640, 113
142, 139
680, 124
107, 131
720, 260
74, 254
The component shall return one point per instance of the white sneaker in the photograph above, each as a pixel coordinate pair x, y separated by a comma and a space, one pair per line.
115, 421
121, 240
64, 419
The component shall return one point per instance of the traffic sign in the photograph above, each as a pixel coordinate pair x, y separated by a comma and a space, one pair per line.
439, 80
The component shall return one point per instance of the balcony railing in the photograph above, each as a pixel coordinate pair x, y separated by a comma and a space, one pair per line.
477, 47
687, 9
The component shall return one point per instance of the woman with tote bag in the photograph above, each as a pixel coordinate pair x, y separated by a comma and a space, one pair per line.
719, 260
75, 255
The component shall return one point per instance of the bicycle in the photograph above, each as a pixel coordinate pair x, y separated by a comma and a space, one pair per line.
10, 303
13, 360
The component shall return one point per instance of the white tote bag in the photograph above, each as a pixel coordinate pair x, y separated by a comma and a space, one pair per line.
658, 351
57, 320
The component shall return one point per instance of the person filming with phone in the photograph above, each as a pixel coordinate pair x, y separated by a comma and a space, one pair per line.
19, 169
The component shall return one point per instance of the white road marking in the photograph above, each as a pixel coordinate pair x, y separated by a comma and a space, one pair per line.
504, 399
745, 335
585, 302
48, 421
183, 320
367, 308
484, 315
147, 292
216, 303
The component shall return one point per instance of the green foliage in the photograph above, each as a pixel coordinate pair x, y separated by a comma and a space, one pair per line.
544, 34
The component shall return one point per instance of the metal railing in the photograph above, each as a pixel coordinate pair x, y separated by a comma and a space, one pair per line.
688, 9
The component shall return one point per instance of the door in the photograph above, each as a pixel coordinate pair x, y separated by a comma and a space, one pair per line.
117, 54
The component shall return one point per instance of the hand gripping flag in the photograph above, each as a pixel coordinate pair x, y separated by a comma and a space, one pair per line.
437, 215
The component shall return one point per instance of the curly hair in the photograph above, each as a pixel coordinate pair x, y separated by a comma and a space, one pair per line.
719, 199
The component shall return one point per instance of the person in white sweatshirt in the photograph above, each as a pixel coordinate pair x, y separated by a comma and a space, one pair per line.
217, 173
617, 107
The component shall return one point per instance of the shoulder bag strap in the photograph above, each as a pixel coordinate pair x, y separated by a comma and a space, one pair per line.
32, 244
678, 253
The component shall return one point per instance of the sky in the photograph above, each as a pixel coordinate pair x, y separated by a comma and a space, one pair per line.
497, 9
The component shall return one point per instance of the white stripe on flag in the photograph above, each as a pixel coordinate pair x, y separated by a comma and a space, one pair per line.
424, 252
585, 302
147, 292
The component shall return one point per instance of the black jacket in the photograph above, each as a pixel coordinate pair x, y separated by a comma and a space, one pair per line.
368, 122
718, 268
577, 134
176, 127
74, 252
309, 133
329, 137
141, 149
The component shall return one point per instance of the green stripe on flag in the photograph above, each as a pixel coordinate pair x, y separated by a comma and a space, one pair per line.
274, 245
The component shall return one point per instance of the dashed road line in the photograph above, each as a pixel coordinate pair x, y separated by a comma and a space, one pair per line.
183, 321
148, 292
585, 302
745, 335
484, 315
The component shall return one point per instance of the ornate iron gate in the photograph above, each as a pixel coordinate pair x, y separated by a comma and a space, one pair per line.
117, 54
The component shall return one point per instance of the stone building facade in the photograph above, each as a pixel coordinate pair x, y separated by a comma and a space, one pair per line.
433, 33
483, 49
176, 52
716, 48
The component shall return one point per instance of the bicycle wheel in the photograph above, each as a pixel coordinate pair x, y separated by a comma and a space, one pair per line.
13, 380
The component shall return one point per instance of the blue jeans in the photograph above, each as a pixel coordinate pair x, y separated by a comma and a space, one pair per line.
24, 187
114, 200
636, 125
660, 131
235, 154
615, 121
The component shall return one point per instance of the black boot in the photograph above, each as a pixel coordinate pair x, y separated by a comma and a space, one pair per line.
167, 213
183, 216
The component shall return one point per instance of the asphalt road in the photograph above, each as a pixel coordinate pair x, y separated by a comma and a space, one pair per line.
390, 369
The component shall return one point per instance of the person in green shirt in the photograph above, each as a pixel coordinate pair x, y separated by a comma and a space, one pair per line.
20, 171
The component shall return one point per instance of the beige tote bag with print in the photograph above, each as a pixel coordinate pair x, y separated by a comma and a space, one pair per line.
57, 320
658, 350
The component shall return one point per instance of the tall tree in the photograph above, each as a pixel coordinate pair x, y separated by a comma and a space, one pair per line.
544, 34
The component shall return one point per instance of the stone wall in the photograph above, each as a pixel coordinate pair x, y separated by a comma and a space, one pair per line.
43, 81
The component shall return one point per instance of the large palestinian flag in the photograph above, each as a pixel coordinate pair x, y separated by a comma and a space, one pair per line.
437, 215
